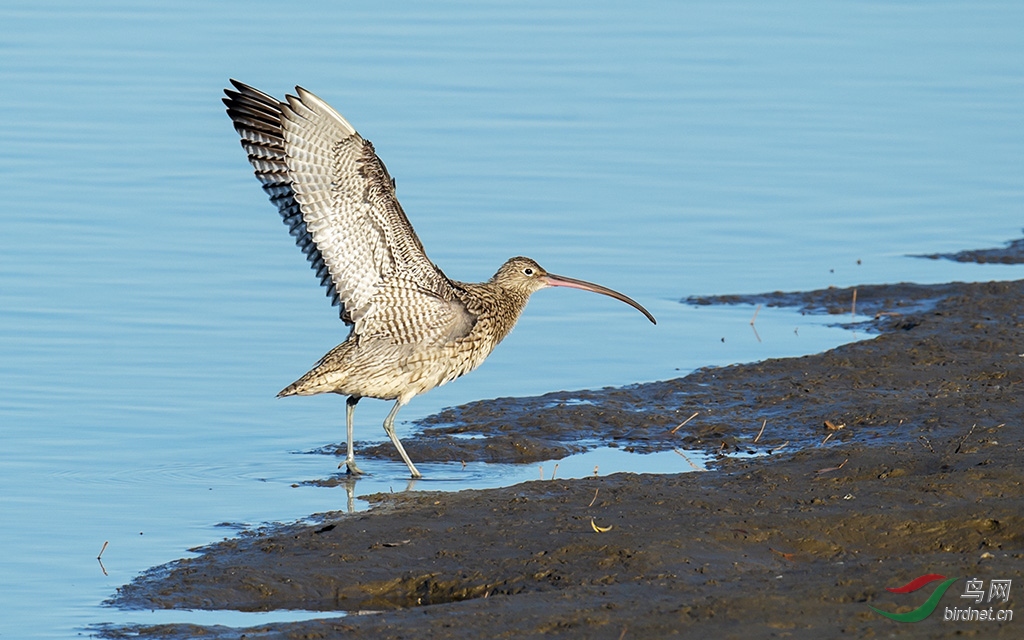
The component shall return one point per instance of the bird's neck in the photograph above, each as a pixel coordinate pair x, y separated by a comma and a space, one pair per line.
497, 309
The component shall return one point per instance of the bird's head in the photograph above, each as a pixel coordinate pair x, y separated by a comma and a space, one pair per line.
524, 276
521, 275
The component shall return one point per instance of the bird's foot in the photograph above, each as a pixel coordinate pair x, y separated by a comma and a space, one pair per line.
351, 468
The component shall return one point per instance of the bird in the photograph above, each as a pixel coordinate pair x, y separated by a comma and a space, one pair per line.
411, 327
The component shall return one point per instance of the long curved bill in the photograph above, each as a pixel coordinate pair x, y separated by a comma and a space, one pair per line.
562, 281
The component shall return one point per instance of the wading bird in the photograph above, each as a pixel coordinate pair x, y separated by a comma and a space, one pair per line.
412, 328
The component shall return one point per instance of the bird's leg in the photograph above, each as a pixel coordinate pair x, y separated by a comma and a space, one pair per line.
350, 455
389, 428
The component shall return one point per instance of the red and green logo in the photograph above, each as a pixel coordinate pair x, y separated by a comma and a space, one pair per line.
925, 610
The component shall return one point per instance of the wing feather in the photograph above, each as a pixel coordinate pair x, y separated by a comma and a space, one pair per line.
338, 202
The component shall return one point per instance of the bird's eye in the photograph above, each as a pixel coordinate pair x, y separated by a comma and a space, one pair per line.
528, 271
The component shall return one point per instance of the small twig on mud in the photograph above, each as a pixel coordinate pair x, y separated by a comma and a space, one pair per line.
595, 497
827, 469
900, 424
554, 471
688, 460
964, 439
680, 425
787, 556
926, 442
763, 424
853, 305
780, 447
833, 429
623, 634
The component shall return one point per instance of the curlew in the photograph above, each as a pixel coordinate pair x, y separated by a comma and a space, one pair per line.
412, 328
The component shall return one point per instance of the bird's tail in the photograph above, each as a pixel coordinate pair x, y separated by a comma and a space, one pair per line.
313, 382
329, 375
294, 389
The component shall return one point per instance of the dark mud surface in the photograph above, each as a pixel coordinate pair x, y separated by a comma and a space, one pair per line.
919, 471
1012, 253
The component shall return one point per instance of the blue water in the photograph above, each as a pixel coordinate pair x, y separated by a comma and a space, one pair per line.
152, 304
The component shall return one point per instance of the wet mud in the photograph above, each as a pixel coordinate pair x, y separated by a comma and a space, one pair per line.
1012, 253
883, 460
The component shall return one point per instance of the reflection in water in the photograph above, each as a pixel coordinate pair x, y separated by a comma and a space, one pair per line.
386, 476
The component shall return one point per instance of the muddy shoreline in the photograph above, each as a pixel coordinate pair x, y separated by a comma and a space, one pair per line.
919, 471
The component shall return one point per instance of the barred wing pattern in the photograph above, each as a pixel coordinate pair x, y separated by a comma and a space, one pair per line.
338, 201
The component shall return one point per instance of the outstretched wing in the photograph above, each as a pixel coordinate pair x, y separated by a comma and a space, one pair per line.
339, 203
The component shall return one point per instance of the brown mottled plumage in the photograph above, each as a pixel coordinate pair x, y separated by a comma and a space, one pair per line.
413, 329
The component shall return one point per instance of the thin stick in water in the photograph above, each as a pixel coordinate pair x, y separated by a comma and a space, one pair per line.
99, 558
756, 334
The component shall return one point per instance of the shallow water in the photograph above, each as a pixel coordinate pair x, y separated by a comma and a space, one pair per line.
151, 303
